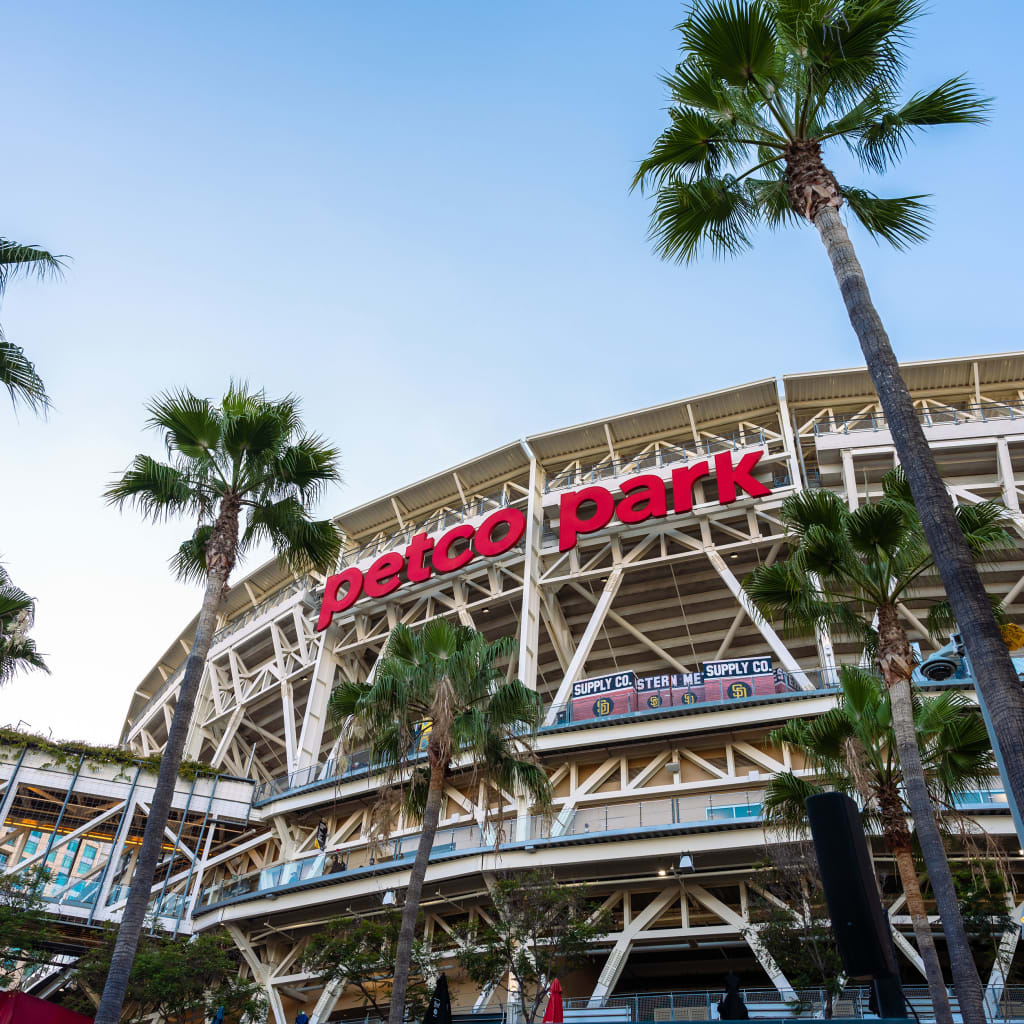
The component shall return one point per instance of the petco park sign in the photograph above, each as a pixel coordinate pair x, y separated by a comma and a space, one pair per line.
587, 510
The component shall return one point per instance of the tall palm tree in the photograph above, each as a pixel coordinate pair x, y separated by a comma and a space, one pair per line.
852, 749
244, 470
761, 87
17, 613
17, 373
848, 570
444, 687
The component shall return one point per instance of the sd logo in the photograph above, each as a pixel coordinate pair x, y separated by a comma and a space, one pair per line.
737, 691
654, 700
602, 707
688, 698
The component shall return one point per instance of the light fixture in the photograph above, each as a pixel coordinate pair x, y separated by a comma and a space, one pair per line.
388, 899
735, 554
661, 872
486, 611
686, 864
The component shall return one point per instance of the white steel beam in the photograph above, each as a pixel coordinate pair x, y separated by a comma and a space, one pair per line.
780, 650
586, 644
314, 720
749, 932
612, 970
529, 617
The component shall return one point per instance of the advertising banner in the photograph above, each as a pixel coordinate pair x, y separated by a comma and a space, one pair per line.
738, 678
687, 688
603, 696
654, 692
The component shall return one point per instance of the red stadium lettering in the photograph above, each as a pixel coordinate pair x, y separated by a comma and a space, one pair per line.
571, 524
382, 577
729, 476
485, 542
332, 603
418, 547
580, 512
443, 560
682, 485
645, 497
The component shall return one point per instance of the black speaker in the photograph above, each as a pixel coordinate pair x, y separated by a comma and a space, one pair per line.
861, 925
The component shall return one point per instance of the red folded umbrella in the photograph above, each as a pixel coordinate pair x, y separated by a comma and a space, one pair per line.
553, 1014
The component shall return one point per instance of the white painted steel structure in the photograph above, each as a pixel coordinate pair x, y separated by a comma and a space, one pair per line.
633, 793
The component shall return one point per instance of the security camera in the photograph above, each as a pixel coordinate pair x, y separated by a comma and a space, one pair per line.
939, 667
686, 864
388, 899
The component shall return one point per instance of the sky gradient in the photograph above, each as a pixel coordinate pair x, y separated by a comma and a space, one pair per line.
416, 217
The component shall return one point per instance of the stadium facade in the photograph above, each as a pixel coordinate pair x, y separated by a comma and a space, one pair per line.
614, 551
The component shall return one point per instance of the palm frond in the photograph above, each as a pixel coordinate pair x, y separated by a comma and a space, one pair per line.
858, 47
770, 199
156, 489
877, 525
902, 222
784, 804
18, 654
735, 40
191, 425
985, 527
16, 258
712, 213
305, 543
308, 465
881, 140
806, 509
18, 374
188, 563
689, 148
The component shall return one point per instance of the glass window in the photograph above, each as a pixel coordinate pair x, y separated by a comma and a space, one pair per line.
3, 858
51, 856
734, 811
35, 835
88, 851
62, 878
31, 847
67, 860
73, 846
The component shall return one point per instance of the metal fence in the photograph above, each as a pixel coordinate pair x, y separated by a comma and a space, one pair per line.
668, 455
929, 417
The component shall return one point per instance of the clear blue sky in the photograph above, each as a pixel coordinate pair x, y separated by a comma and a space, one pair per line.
416, 216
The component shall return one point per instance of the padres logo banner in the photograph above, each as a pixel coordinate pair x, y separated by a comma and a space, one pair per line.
603, 696
738, 678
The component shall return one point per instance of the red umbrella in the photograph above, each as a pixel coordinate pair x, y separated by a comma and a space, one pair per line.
553, 1014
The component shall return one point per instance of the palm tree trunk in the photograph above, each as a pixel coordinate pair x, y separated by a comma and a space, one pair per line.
407, 931
996, 678
220, 558
895, 658
923, 933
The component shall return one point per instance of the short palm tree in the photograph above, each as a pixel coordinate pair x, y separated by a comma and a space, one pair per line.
444, 687
17, 648
762, 87
852, 749
244, 471
17, 373
847, 572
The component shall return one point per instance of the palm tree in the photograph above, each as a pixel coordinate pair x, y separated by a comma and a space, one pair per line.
761, 87
847, 571
852, 749
444, 687
17, 373
17, 613
244, 471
